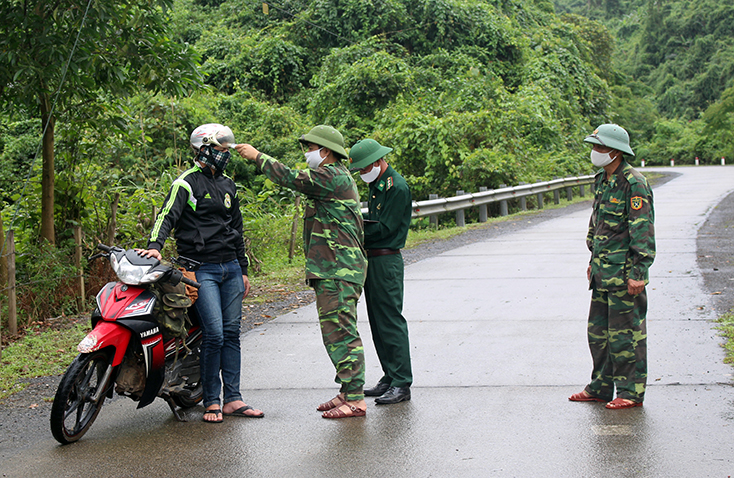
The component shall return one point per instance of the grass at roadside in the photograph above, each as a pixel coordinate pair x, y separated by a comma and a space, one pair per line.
40, 353
726, 329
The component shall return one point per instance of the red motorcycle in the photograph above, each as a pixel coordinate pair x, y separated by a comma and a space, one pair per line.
128, 349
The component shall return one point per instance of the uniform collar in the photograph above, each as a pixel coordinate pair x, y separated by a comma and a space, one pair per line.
381, 182
622, 167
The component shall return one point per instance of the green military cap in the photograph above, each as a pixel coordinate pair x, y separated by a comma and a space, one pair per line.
328, 137
612, 136
365, 152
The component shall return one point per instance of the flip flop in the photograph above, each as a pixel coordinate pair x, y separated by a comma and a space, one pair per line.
240, 412
620, 403
338, 413
214, 411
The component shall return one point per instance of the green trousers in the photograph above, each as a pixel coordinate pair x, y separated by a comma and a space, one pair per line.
617, 333
336, 302
384, 296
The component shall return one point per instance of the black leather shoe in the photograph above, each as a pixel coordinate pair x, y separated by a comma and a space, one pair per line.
394, 395
377, 390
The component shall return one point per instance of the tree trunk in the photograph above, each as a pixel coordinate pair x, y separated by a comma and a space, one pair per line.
48, 176
3, 258
112, 224
3, 276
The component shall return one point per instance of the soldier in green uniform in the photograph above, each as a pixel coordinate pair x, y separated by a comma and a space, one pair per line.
621, 238
385, 231
336, 266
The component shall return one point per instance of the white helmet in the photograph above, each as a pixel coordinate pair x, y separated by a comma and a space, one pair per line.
212, 133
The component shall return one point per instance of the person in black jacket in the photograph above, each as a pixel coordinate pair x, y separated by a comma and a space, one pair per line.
203, 210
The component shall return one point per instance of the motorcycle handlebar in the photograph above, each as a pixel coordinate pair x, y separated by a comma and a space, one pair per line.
190, 282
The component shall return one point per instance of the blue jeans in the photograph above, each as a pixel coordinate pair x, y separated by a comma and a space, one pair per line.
220, 312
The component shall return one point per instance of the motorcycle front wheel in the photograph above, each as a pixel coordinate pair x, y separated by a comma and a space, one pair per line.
74, 407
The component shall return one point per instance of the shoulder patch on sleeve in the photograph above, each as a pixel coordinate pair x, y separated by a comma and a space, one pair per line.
636, 203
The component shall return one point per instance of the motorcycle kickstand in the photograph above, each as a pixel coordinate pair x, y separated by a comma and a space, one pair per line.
174, 409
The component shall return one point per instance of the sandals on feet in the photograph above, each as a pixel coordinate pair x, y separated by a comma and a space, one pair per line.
337, 412
583, 396
333, 403
620, 403
240, 412
214, 411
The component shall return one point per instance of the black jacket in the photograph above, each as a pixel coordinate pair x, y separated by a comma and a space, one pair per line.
205, 213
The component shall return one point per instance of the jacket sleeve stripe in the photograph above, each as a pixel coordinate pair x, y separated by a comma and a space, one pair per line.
164, 214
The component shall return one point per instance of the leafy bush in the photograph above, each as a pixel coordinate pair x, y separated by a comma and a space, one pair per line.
47, 282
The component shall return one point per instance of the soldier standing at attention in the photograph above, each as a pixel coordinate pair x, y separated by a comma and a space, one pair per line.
385, 231
335, 260
621, 239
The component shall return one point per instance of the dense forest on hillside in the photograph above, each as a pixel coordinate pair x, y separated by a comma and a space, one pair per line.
674, 73
469, 93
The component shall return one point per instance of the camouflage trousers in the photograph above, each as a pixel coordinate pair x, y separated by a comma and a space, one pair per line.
617, 334
336, 302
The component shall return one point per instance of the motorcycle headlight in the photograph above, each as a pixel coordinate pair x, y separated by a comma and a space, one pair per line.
151, 277
132, 274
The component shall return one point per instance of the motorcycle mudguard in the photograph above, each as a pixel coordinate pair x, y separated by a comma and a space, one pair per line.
154, 354
153, 384
107, 334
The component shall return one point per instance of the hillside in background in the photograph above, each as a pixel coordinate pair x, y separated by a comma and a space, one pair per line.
468, 93
677, 57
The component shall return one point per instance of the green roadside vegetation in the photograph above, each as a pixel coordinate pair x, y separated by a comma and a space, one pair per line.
726, 330
41, 352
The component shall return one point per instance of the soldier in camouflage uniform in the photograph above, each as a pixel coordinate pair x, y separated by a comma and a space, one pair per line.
336, 264
621, 238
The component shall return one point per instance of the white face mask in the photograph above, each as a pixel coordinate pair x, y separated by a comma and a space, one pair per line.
371, 176
600, 159
313, 158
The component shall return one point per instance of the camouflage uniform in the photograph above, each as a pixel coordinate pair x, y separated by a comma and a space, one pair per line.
621, 239
336, 265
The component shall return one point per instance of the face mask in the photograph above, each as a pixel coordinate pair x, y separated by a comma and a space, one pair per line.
600, 159
313, 158
214, 158
371, 176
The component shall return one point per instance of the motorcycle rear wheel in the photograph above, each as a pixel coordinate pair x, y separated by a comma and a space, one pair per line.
73, 410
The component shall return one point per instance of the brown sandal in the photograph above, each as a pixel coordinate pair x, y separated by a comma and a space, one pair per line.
337, 412
584, 396
337, 401
619, 403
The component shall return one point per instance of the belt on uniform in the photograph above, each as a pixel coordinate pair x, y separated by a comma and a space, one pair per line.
381, 252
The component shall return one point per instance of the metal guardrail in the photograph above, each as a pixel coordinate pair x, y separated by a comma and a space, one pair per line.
460, 202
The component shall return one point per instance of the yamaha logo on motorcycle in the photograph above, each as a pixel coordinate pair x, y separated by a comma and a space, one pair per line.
128, 351
147, 333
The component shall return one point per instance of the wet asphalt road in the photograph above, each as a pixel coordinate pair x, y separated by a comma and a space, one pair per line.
498, 332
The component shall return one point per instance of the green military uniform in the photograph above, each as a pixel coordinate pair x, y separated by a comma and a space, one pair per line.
621, 238
335, 259
389, 204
